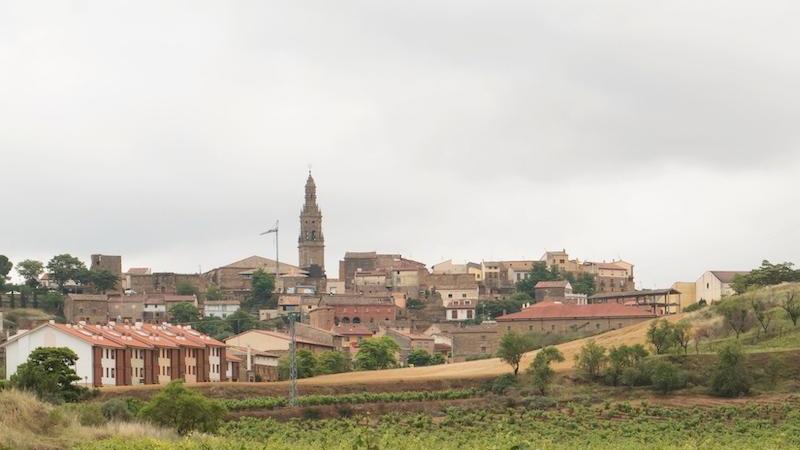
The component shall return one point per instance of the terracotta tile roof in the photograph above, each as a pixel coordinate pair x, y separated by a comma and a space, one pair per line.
551, 284
553, 310
634, 294
727, 276
120, 336
283, 336
230, 356
88, 297
352, 330
86, 335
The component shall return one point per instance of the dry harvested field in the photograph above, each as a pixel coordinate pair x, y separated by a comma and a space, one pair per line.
415, 378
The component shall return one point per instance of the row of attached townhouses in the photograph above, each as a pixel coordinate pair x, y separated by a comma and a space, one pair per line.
122, 355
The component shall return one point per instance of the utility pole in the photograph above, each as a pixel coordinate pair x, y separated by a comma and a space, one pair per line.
292, 361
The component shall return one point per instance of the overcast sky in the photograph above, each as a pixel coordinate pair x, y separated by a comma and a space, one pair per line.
172, 133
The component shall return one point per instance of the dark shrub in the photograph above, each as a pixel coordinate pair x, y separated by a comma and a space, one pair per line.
667, 377
117, 409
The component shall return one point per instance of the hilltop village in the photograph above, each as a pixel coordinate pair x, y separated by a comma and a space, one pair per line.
136, 326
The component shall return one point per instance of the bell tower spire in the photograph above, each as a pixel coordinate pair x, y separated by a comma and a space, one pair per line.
311, 243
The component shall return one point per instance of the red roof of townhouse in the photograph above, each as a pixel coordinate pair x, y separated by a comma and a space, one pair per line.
555, 310
119, 336
86, 334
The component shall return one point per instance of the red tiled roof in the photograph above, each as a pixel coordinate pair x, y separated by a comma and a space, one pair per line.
553, 310
551, 284
727, 276
229, 356
352, 330
283, 336
120, 336
86, 335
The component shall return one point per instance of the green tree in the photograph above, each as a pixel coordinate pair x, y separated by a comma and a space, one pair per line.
495, 308
332, 362
186, 288
762, 313
583, 283
681, 335
419, 357
512, 347
731, 377
621, 358
241, 321
65, 268
184, 312
31, 270
661, 336
539, 272
768, 274
184, 410
667, 377
217, 328
49, 373
377, 353
791, 305
214, 293
103, 280
306, 365
5, 268
540, 370
262, 287
737, 316
590, 360
437, 358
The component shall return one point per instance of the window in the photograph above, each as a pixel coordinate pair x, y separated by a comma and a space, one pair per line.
453, 314
449, 295
469, 314
552, 327
463, 295
483, 349
597, 325
530, 327
112, 372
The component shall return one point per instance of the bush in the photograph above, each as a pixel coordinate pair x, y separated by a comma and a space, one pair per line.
731, 376
501, 384
667, 377
636, 376
695, 306
117, 409
539, 402
88, 414
184, 410
311, 414
477, 357
590, 360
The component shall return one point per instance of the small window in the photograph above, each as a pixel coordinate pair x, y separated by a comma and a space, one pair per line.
597, 325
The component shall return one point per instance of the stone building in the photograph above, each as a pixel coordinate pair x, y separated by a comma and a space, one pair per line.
235, 279
397, 272
409, 341
474, 341
162, 282
89, 308
560, 318
614, 276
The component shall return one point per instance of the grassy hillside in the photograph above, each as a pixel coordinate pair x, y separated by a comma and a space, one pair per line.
27, 423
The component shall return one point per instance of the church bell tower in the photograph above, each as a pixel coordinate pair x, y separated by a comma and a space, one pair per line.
311, 243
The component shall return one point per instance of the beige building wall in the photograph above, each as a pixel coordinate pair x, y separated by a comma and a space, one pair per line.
709, 288
565, 326
164, 364
688, 294
137, 366
258, 341
449, 295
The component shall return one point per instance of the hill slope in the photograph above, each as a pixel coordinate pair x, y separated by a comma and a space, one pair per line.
487, 367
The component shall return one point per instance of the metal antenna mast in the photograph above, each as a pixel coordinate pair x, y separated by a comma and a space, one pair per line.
292, 334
